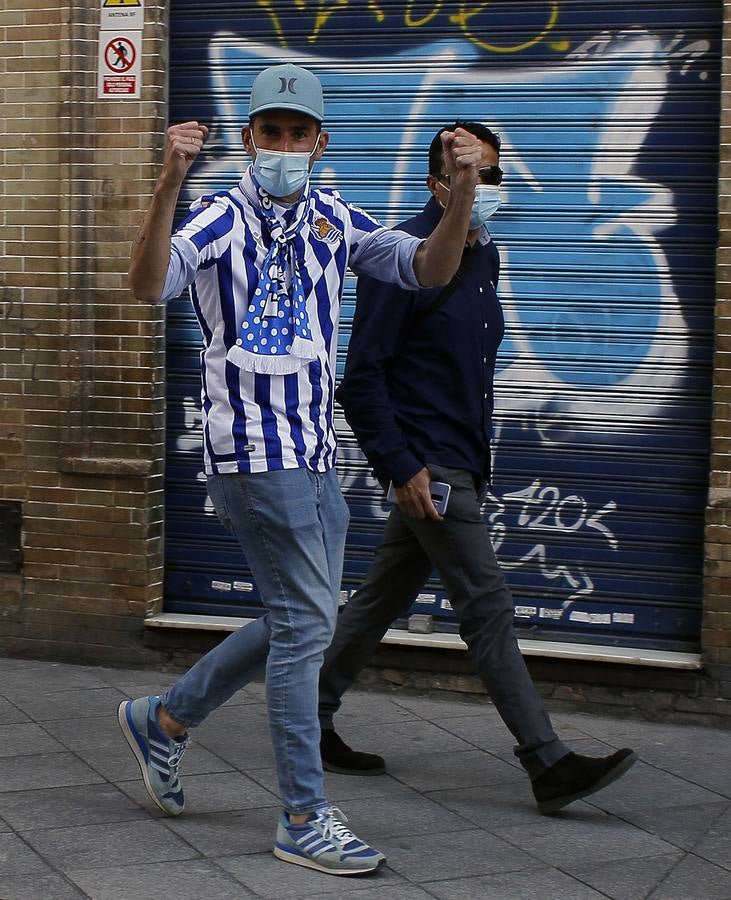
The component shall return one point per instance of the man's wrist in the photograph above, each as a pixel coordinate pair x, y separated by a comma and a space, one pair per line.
168, 185
403, 472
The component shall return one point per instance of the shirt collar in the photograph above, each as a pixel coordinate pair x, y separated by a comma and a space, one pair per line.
433, 212
247, 186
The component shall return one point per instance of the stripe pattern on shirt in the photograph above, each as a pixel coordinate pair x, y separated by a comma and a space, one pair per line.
256, 422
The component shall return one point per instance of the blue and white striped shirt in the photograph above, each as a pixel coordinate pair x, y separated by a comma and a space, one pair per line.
254, 422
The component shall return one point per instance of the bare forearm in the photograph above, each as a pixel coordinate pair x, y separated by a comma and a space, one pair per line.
151, 248
438, 258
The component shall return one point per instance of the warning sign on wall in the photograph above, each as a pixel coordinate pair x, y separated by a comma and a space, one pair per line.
120, 64
123, 14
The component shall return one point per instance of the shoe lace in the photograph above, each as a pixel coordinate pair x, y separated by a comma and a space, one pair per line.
333, 828
177, 754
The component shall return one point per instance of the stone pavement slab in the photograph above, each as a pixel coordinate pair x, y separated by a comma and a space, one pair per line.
101, 846
87, 804
571, 841
228, 832
453, 854
681, 826
35, 887
715, 844
696, 878
10, 714
207, 793
70, 704
264, 877
26, 738
239, 735
493, 806
376, 709
628, 879
531, 885
17, 858
44, 770
339, 788
461, 768
187, 880
455, 814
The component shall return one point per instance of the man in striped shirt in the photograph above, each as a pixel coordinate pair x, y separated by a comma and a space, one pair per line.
265, 262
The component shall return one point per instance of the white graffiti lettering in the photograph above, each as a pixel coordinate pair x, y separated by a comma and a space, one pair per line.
544, 509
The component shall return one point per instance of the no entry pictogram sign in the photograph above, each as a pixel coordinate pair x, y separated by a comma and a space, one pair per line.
120, 54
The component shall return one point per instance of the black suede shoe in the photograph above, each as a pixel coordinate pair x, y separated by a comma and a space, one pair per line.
338, 757
575, 776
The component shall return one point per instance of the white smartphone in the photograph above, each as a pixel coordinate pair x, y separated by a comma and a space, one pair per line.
439, 495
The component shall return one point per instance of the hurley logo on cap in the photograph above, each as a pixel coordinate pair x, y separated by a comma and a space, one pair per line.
287, 85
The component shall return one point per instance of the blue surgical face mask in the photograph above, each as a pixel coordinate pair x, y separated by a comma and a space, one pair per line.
281, 173
485, 204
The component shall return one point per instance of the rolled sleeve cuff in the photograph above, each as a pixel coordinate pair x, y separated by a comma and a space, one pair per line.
407, 252
182, 266
388, 256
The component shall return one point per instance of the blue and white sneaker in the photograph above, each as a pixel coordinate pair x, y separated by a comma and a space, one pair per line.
325, 844
157, 755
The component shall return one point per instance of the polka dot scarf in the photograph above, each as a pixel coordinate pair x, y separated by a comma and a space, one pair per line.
275, 336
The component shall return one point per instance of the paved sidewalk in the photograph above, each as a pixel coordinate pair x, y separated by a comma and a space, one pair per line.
455, 814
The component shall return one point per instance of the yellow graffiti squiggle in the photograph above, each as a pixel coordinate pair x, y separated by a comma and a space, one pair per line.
268, 5
324, 10
327, 8
411, 22
462, 18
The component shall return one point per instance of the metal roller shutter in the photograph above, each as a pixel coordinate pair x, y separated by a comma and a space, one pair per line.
609, 115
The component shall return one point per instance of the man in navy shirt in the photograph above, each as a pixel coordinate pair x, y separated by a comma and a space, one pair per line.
418, 394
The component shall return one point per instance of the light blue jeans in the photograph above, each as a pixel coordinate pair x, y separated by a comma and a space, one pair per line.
291, 525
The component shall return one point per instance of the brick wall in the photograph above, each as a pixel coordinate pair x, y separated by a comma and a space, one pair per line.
716, 635
81, 361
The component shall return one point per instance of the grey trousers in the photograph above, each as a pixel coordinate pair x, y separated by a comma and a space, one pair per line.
459, 548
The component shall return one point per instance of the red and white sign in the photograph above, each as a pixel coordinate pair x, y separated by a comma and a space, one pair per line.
120, 64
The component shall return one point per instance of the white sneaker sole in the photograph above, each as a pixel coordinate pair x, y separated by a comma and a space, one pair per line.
311, 864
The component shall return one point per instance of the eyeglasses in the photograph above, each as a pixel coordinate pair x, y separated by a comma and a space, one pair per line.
486, 175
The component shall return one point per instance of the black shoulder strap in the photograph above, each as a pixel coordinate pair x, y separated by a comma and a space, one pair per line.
423, 314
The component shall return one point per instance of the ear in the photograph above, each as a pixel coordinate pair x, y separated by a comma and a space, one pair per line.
246, 141
432, 183
323, 141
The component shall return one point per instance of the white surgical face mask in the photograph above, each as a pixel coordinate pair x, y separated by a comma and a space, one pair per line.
281, 173
485, 204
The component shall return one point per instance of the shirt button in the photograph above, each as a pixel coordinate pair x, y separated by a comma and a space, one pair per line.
239, 341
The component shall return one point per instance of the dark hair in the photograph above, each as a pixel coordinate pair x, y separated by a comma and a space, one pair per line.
316, 121
477, 128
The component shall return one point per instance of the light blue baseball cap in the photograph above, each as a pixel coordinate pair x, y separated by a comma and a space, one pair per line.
287, 87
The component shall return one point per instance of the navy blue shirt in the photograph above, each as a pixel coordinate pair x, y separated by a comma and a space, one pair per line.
419, 389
